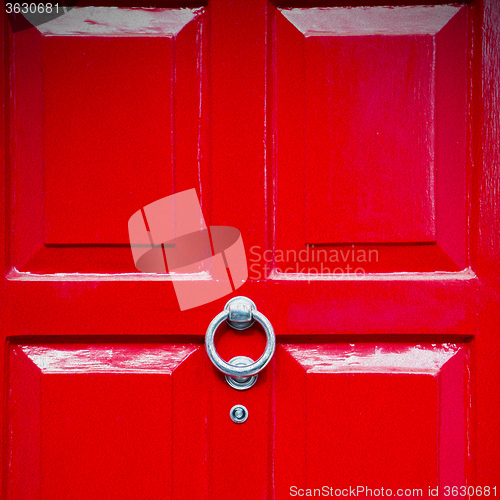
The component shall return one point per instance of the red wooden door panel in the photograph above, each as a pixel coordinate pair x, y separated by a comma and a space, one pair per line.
95, 105
372, 118
399, 410
78, 415
356, 149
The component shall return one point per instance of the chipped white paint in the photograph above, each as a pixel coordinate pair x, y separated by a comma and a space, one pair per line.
16, 275
466, 274
118, 21
366, 358
108, 358
355, 21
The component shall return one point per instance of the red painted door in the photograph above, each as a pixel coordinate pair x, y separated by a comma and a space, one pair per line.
356, 149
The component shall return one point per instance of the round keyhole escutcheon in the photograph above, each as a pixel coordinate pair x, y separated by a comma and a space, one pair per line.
238, 414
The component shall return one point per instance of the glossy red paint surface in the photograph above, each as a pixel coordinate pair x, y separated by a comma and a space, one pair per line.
77, 421
384, 88
400, 410
295, 126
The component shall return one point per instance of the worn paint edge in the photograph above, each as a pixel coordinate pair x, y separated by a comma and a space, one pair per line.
15, 275
464, 275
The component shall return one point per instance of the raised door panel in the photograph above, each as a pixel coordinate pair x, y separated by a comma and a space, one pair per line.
372, 415
108, 118
106, 421
369, 109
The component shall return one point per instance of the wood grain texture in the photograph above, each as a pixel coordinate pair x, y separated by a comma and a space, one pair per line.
485, 244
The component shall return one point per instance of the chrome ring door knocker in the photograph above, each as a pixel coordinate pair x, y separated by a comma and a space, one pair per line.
241, 371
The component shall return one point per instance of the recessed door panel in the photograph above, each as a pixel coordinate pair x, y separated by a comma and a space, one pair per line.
106, 421
375, 415
370, 133
108, 119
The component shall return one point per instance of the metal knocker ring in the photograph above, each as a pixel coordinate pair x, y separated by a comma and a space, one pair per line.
240, 313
